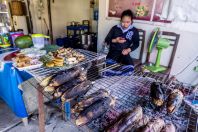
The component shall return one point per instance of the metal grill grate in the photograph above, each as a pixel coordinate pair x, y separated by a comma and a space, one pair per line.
133, 90
92, 59
129, 92
42, 72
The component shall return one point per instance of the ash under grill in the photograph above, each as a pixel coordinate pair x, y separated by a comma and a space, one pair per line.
134, 90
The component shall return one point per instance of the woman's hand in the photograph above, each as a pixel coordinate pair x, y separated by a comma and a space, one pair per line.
126, 51
119, 40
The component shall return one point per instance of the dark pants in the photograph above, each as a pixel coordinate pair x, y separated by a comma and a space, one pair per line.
120, 58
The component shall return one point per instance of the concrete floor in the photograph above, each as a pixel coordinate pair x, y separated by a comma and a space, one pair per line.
54, 122
55, 125
7, 118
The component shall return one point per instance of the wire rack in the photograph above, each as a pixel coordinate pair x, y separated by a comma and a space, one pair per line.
92, 62
134, 90
129, 92
91, 59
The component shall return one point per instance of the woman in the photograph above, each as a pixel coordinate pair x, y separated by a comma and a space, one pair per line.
123, 38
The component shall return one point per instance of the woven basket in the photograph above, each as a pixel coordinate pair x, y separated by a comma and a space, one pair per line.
17, 8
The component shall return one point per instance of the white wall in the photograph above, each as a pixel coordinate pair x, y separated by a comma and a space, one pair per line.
187, 47
38, 24
64, 11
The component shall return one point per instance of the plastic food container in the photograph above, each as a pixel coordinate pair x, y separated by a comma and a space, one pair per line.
39, 40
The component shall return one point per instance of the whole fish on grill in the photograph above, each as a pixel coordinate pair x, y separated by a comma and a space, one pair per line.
101, 93
95, 110
76, 91
154, 125
174, 100
142, 122
157, 94
131, 118
169, 128
65, 76
63, 88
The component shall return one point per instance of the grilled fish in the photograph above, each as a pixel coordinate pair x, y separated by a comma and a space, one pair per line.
65, 77
174, 100
129, 120
155, 125
101, 93
95, 110
76, 91
157, 94
59, 91
169, 128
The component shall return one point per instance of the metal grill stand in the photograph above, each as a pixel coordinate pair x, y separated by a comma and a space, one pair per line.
134, 90
92, 60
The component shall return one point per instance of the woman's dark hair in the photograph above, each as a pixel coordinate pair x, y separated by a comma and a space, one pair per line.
127, 13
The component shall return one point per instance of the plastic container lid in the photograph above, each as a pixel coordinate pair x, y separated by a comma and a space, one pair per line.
5, 45
39, 36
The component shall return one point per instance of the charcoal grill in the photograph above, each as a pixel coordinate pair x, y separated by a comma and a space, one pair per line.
129, 92
92, 60
133, 90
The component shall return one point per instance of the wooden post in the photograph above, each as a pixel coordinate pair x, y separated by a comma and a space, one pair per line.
50, 20
41, 110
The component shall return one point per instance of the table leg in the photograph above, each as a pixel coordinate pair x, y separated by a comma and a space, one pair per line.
41, 111
25, 121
